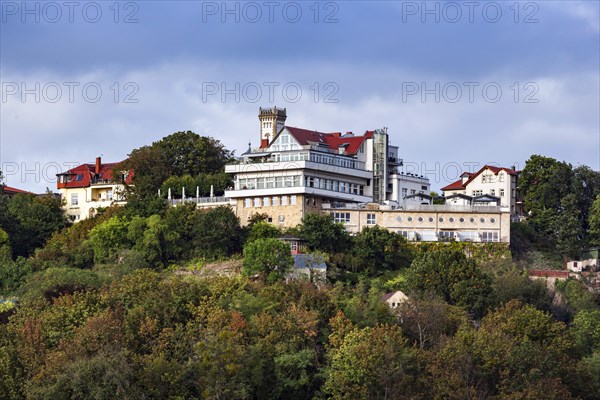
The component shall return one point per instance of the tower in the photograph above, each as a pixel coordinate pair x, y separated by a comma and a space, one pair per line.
271, 122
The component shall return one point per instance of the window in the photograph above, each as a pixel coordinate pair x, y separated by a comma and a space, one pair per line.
79, 177
477, 192
294, 245
343, 217
482, 220
430, 219
109, 195
501, 176
314, 201
489, 236
293, 200
451, 219
257, 202
472, 220
493, 220
281, 219
404, 192
423, 187
275, 201
446, 234
266, 201
247, 203
370, 219
462, 220
413, 191
409, 219
420, 219
74, 199
284, 200
441, 219
501, 192
493, 192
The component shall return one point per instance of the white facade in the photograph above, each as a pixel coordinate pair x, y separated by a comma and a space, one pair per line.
84, 202
494, 181
403, 185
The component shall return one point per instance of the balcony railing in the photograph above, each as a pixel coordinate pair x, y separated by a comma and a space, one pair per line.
201, 200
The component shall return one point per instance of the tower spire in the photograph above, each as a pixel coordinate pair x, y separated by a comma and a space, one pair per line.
272, 120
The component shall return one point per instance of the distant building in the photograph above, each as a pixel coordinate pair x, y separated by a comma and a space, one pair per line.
496, 182
11, 191
88, 187
296, 171
394, 299
588, 260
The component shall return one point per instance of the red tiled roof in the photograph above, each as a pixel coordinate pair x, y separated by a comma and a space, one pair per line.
333, 140
87, 172
458, 185
549, 273
454, 186
12, 190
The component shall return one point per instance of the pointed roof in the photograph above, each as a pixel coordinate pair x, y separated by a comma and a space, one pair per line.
84, 174
459, 185
11, 190
333, 140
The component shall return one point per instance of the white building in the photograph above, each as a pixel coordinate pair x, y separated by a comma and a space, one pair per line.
488, 186
88, 187
297, 170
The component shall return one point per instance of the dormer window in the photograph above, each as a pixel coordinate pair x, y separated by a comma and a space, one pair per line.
79, 178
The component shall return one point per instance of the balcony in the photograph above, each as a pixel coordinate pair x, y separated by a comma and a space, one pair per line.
395, 161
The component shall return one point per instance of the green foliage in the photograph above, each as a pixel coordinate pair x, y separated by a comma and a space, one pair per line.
262, 230
270, 258
586, 330
559, 200
454, 277
322, 233
54, 282
576, 297
378, 249
30, 220
543, 183
371, 363
179, 154
202, 182
594, 222
13, 274
217, 233
569, 229
516, 352
109, 237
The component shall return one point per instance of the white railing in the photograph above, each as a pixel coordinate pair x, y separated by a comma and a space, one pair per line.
201, 200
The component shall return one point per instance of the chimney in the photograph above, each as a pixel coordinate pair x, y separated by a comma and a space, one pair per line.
98, 164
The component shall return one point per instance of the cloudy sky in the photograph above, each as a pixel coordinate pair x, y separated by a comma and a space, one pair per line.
457, 84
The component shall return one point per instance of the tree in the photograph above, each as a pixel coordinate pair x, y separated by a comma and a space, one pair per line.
371, 363
263, 230
270, 258
109, 237
30, 220
217, 233
586, 330
594, 222
322, 233
515, 353
543, 183
586, 189
179, 154
379, 249
568, 228
426, 321
454, 277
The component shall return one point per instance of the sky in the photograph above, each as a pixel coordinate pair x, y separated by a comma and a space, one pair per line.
457, 84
